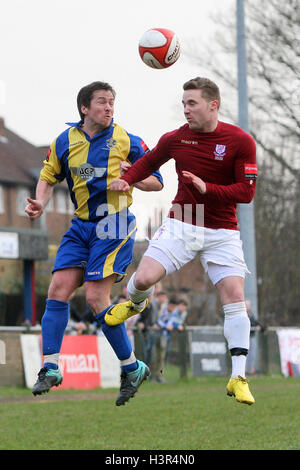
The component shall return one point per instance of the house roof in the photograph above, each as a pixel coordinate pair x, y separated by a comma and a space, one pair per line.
20, 161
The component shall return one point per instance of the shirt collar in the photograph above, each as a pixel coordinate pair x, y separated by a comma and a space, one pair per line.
75, 124
79, 124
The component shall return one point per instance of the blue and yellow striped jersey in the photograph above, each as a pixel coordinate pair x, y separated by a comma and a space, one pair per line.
90, 164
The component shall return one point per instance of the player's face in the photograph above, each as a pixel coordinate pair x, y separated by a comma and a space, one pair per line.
101, 109
200, 113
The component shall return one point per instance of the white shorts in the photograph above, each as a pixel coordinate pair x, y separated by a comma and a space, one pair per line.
176, 243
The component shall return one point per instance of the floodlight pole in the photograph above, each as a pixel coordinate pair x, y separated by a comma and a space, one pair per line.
246, 211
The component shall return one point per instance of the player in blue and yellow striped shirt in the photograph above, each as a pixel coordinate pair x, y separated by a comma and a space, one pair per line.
98, 246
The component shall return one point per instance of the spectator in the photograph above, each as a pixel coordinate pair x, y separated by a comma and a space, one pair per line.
166, 323
252, 354
182, 311
178, 319
76, 325
158, 301
148, 319
80, 323
145, 324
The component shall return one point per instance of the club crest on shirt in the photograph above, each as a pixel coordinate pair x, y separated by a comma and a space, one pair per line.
110, 144
220, 152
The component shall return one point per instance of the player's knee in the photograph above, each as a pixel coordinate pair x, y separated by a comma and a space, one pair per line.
231, 292
143, 280
235, 296
58, 291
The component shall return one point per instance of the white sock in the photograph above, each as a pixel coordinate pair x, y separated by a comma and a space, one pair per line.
130, 360
237, 334
238, 366
138, 297
52, 358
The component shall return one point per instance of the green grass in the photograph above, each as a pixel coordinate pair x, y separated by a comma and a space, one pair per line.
187, 414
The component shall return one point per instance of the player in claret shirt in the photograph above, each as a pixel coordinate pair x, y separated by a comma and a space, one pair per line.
216, 168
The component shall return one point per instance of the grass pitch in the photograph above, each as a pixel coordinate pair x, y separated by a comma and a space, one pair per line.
187, 414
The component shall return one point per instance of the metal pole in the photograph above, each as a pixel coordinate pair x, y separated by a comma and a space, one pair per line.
246, 211
29, 292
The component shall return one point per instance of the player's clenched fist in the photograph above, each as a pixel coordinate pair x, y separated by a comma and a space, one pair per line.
34, 209
119, 185
124, 166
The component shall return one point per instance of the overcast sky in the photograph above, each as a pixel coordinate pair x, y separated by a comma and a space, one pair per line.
49, 50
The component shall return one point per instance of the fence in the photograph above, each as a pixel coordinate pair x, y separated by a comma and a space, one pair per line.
189, 348
206, 345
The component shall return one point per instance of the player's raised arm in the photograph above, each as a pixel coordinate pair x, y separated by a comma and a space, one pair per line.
152, 183
36, 206
142, 170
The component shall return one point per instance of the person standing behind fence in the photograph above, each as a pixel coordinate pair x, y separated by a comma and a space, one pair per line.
252, 355
181, 311
150, 316
76, 324
166, 323
178, 319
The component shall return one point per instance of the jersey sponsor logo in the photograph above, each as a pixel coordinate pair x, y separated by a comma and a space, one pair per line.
191, 142
77, 143
220, 152
250, 170
86, 172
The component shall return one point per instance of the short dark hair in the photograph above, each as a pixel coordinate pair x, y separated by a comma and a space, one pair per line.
173, 301
210, 91
86, 94
161, 292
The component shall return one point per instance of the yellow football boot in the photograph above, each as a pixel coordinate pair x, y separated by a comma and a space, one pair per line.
121, 312
239, 388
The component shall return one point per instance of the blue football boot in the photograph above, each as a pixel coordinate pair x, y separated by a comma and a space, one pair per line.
47, 378
130, 382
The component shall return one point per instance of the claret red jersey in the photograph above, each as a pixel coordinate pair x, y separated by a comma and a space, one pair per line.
225, 159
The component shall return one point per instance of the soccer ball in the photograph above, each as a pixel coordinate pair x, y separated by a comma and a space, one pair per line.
159, 48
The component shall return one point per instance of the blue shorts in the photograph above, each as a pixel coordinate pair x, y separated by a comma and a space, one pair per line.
99, 248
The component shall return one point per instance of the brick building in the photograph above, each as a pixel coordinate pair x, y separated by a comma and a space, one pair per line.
20, 164
20, 167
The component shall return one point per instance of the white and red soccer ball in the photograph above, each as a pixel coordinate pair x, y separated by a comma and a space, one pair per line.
159, 48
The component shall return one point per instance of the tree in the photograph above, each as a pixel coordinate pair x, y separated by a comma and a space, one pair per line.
273, 48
